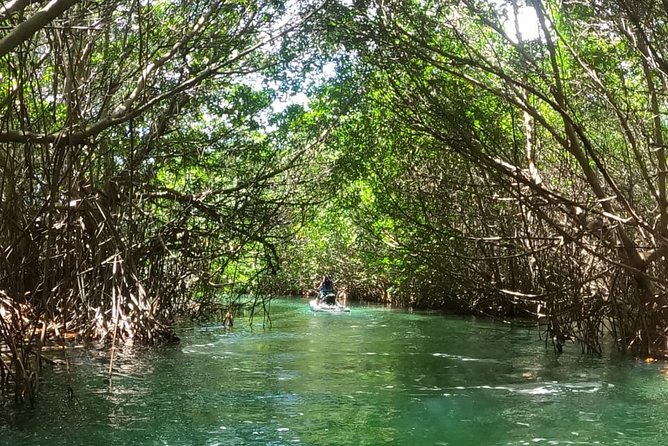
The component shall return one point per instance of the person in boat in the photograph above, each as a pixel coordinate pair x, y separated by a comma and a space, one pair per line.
326, 291
229, 319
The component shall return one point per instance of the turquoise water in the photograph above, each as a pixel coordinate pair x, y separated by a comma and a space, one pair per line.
370, 377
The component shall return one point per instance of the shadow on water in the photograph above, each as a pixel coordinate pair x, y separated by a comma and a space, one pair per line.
373, 376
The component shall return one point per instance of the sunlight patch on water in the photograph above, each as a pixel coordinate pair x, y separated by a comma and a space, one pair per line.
199, 348
464, 358
530, 389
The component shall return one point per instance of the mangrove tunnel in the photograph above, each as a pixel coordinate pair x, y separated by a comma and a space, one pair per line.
170, 160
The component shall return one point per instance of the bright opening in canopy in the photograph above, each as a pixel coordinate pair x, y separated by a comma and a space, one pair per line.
526, 26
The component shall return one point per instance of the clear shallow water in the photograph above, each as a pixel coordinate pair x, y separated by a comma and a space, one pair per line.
371, 377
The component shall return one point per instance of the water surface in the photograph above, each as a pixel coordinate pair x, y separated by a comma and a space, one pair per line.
371, 377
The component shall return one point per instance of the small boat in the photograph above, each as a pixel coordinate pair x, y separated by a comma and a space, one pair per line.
326, 308
328, 304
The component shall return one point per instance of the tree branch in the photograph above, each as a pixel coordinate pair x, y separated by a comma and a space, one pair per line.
37, 21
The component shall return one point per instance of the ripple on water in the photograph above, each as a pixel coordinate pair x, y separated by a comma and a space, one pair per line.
534, 388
